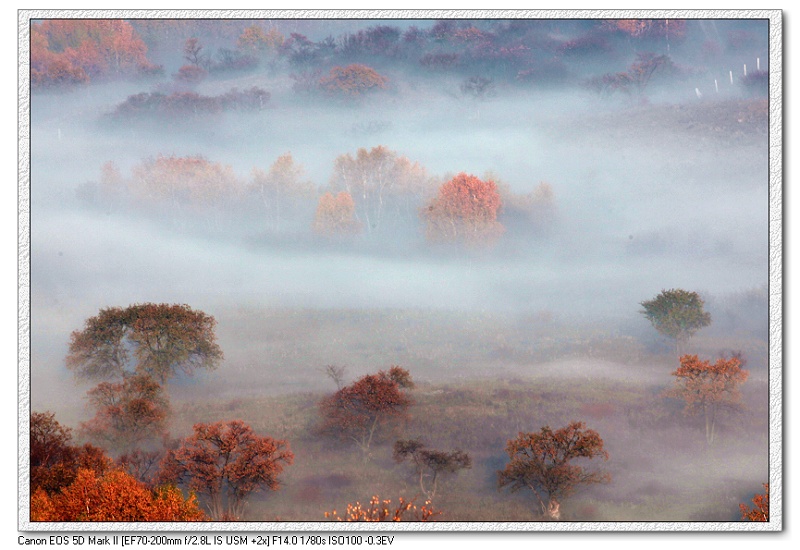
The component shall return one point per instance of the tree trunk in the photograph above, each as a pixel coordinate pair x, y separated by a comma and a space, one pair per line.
553, 512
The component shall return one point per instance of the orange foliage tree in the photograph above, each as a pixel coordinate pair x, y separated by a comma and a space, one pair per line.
708, 389
54, 461
356, 411
430, 463
68, 51
373, 176
465, 210
384, 510
544, 463
352, 81
158, 340
113, 496
336, 215
191, 180
254, 40
127, 413
280, 187
760, 509
226, 462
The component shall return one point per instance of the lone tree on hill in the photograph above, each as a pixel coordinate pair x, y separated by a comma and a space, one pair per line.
430, 463
154, 339
543, 463
708, 388
226, 462
356, 411
677, 314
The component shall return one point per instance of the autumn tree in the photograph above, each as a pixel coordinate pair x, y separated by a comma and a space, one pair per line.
355, 412
113, 496
430, 463
708, 389
335, 215
226, 462
465, 210
191, 53
760, 509
545, 463
127, 413
280, 188
54, 460
677, 314
375, 176
352, 81
158, 340
255, 41
384, 510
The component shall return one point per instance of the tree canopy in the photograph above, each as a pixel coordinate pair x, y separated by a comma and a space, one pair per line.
159, 340
676, 313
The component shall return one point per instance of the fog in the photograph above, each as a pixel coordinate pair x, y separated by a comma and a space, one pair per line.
648, 193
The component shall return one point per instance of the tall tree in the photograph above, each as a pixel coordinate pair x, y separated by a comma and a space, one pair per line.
677, 314
280, 187
708, 389
544, 462
465, 210
355, 412
760, 509
226, 462
158, 340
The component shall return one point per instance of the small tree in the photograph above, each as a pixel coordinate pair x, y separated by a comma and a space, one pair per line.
352, 81
708, 388
335, 215
356, 411
544, 463
760, 509
127, 413
384, 510
676, 314
226, 462
465, 210
154, 339
429, 463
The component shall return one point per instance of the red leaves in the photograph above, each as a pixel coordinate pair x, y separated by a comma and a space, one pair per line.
542, 462
336, 215
384, 510
760, 509
355, 411
465, 210
226, 462
352, 81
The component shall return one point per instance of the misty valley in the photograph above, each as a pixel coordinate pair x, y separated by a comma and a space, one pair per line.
447, 270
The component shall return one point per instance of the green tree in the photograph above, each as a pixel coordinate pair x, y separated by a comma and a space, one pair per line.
158, 340
677, 314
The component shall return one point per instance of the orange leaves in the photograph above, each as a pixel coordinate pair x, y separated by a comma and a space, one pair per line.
384, 510
542, 462
336, 215
226, 462
114, 496
465, 210
352, 81
760, 509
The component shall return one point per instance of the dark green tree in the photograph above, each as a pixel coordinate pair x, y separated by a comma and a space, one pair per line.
677, 314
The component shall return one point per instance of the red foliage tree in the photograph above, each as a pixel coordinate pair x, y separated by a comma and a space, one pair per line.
352, 81
760, 509
114, 496
226, 462
465, 210
356, 411
162, 339
384, 510
54, 461
127, 413
544, 463
708, 389
336, 215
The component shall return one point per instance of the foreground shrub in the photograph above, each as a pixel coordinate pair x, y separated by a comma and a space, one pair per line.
384, 510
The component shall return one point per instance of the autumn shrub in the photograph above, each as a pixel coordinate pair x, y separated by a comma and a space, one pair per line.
191, 74
335, 215
760, 509
182, 104
464, 211
113, 496
384, 510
